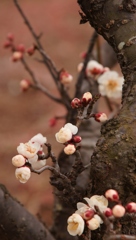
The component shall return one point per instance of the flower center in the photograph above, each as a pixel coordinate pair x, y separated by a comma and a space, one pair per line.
73, 226
112, 84
30, 149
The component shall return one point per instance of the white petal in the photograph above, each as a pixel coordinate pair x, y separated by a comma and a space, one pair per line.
39, 138
72, 128
39, 164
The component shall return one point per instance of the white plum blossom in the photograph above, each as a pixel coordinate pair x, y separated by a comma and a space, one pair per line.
66, 132
63, 135
75, 225
94, 68
72, 128
18, 160
39, 164
70, 149
39, 138
28, 149
33, 159
23, 174
110, 84
100, 201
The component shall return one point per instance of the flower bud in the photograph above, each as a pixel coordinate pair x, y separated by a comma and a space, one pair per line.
52, 122
16, 56
23, 174
63, 135
18, 160
131, 207
30, 51
83, 55
93, 224
75, 103
77, 139
21, 48
10, 37
65, 77
100, 117
69, 149
108, 212
93, 68
75, 225
7, 44
24, 84
112, 195
86, 98
88, 214
118, 211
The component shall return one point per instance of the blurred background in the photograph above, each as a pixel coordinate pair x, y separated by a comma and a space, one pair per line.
22, 115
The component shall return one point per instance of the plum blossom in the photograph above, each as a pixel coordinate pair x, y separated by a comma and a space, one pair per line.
28, 149
23, 174
93, 223
38, 164
100, 201
110, 84
66, 132
75, 225
39, 138
65, 77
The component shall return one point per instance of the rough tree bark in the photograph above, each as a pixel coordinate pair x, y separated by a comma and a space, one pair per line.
114, 159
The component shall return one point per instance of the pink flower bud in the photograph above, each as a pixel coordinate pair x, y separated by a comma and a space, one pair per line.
21, 48
88, 214
94, 68
108, 212
16, 56
112, 195
75, 103
77, 139
31, 50
7, 44
131, 207
24, 84
10, 37
83, 55
118, 211
52, 122
100, 117
69, 149
65, 77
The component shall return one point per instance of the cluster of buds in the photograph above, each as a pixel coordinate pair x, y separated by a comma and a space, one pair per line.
86, 99
83, 102
28, 153
65, 77
67, 136
87, 215
18, 50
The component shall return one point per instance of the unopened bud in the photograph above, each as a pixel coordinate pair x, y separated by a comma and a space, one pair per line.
65, 77
108, 212
24, 84
21, 48
77, 139
112, 195
69, 149
131, 207
118, 211
52, 122
83, 55
86, 98
16, 56
10, 37
18, 161
100, 117
88, 214
31, 50
7, 44
93, 224
75, 103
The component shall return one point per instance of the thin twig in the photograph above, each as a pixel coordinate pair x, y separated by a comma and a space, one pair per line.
82, 74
